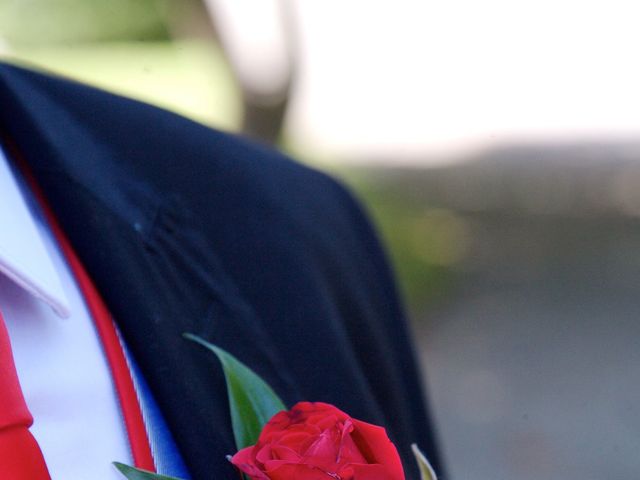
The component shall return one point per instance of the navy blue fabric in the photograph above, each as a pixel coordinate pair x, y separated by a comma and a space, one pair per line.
166, 455
188, 229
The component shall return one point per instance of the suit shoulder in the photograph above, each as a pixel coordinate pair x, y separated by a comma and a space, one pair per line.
88, 128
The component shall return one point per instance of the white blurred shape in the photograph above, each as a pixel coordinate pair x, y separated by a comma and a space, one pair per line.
408, 77
255, 36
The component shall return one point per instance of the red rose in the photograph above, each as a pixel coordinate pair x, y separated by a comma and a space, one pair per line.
316, 441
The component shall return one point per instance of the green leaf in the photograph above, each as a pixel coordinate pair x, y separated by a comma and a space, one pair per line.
136, 474
426, 470
251, 400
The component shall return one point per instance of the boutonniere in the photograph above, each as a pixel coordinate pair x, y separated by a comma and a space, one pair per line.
310, 441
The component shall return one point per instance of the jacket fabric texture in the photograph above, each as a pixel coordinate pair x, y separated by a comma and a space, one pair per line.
187, 229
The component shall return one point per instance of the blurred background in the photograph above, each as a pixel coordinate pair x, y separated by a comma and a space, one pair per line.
496, 144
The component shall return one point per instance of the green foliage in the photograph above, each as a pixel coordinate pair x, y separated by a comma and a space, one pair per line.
136, 474
425, 243
49, 21
190, 77
251, 400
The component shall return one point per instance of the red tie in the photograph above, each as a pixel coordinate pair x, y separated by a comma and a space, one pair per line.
20, 455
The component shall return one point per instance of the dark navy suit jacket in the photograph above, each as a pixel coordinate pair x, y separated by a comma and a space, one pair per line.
187, 229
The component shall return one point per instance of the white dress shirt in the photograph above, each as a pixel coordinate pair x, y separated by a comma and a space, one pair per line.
62, 370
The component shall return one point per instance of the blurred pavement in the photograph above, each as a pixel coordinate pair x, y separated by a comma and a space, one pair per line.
532, 360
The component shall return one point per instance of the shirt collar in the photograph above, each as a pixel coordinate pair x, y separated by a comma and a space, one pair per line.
24, 257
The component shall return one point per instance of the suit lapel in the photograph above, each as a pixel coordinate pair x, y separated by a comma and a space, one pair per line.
158, 274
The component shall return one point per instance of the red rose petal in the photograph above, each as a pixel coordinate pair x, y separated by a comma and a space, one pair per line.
375, 445
316, 441
297, 472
